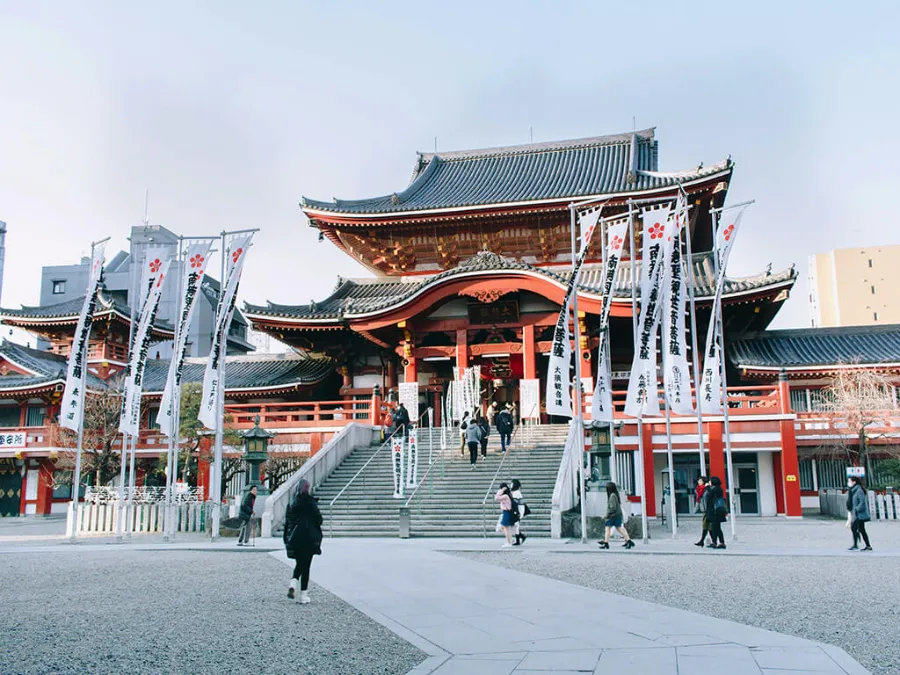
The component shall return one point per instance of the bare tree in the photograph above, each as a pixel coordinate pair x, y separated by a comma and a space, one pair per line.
281, 464
859, 406
102, 411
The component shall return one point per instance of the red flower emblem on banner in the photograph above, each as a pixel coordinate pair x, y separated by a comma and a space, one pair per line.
656, 231
236, 255
729, 232
155, 265
197, 261
616, 243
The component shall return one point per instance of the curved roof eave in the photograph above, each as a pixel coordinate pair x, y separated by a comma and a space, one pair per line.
324, 213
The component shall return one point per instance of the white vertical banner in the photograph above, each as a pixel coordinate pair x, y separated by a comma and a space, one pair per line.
397, 464
601, 401
559, 380
71, 411
409, 397
642, 398
235, 254
192, 277
529, 399
130, 421
676, 370
412, 458
588, 223
711, 381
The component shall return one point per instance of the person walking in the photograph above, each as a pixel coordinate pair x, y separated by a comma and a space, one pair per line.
614, 517
522, 508
246, 516
492, 410
473, 439
716, 511
504, 427
858, 512
485, 432
302, 538
463, 425
401, 419
508, 514
698, 506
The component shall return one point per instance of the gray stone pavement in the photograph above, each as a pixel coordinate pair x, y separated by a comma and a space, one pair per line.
474, 617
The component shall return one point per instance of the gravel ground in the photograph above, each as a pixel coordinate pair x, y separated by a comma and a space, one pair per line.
181, 612
853, 603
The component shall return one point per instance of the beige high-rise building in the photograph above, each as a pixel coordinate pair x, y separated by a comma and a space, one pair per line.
855, 287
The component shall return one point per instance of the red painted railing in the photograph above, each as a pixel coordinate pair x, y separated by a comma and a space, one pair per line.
300, 415
760, 400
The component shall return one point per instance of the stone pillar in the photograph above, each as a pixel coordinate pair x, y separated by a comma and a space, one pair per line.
790, 465
529, 357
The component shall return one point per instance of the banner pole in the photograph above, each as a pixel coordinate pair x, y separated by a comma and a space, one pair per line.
604, 347
695, 353
579, 407
671, 461
79, 448
720, 338
220, 410
634, 326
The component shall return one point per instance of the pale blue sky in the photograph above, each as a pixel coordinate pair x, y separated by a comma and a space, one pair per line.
228, 112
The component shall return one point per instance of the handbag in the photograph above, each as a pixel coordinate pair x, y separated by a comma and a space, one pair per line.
527, 510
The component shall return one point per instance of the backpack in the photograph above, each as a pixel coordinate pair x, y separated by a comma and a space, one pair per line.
719, 508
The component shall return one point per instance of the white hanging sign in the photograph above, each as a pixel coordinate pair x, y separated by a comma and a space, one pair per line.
412, 458
409, 397
642, 398
529, 398
397, 464
711, 380
676, 370
71, 410
192, 277
235, 254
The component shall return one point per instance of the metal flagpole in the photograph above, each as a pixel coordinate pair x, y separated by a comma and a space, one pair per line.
123, 473
76, 474
174, 420
671, 461
579, 414
720, 338
634, 324
695, 353
216, 484
605, 347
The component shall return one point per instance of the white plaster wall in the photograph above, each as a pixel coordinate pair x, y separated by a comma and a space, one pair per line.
766, 475
811, 502
31, 509
59, 507
31, 484
366, 381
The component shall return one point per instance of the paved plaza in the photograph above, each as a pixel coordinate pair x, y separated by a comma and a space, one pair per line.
454, 606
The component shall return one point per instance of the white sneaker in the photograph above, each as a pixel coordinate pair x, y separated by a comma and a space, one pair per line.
304, 597
506, 546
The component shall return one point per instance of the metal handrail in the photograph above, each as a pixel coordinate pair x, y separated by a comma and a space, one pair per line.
431, 466
490, 489
355, 476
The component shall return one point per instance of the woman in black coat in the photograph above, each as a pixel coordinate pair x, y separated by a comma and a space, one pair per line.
302, 538
716, 511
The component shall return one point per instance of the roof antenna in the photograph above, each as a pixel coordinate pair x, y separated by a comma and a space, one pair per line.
146, 204
531, 134
435, 145
633, 123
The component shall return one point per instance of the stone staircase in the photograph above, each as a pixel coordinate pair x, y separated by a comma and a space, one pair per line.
448, 506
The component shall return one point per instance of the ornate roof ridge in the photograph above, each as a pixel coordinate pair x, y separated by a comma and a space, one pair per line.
264, 357
545, 146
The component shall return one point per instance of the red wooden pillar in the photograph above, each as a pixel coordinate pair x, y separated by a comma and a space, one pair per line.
717, 453
410, 372
375, 414
649, 482
205, 452
462, 349
45, 487
790, 465
529, 357
315, 442
779, 482
437, 408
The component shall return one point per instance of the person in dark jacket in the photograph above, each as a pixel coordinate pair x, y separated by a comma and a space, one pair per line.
614, 516
302, 538
485, 432
473, 438
698, 500
713, 498
246, 516
858, 508
504, 422
401, 419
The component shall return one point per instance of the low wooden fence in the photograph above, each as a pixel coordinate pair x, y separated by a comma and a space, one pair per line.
147, 518
882, 505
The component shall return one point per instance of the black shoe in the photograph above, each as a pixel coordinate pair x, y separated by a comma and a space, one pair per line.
721, 546
628, 544
853, 548
604, 544
525, 536
867, 548
291, 593
698, 543
711, 546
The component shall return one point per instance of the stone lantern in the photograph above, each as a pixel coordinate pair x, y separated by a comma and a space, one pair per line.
256, 452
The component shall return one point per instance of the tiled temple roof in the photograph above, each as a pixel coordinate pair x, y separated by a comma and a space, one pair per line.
622, 163
71, 310
357, 298
817, 347
265, 371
